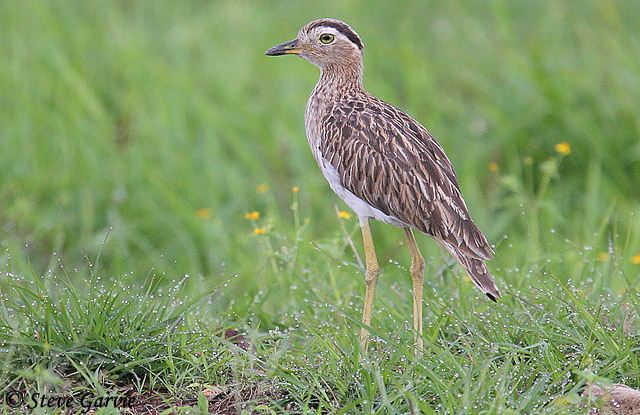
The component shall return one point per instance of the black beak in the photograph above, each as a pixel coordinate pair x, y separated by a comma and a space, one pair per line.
288, 48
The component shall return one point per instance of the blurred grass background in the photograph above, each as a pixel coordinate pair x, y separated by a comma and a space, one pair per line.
157, 125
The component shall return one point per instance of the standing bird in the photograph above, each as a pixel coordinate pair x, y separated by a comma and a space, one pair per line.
384, 164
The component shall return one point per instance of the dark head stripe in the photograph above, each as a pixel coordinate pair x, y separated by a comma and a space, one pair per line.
342, 28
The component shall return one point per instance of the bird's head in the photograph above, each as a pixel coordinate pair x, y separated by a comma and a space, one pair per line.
324, 43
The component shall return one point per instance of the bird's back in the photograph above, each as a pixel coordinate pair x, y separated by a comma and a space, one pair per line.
389, 160
385, 165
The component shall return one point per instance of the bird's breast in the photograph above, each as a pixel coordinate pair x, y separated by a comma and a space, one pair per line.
313, 115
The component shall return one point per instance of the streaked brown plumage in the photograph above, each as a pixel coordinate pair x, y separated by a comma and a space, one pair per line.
384, 164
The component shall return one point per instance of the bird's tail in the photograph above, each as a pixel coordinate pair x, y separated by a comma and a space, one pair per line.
477, 271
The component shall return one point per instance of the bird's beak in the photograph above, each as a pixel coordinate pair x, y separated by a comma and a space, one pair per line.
288, 48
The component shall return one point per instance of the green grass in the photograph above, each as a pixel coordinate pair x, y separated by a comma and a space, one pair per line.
120, 121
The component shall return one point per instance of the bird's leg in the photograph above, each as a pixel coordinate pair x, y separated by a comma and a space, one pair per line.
417, 278
371, 274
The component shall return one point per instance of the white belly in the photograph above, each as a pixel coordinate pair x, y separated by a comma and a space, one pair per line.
361, 208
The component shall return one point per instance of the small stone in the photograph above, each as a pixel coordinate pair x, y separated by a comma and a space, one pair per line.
617, 399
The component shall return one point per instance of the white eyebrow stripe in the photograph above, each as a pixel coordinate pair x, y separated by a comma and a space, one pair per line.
331, 30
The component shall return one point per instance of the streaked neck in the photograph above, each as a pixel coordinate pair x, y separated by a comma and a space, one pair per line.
341, 78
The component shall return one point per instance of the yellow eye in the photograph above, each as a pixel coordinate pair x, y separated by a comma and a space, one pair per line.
326, 38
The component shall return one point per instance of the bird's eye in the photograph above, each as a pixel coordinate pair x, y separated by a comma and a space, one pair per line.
326, 38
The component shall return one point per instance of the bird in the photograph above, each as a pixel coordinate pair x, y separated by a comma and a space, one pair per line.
384, 165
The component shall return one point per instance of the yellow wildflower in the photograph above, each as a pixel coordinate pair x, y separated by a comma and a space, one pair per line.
295, 189
528, 160
635, 259
259, 231
252, 215
563, 148
204, 213
493, 166
344, 215
603, 256
262, 188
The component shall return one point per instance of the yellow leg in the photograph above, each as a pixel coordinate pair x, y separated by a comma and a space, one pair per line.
371, 274
417, 278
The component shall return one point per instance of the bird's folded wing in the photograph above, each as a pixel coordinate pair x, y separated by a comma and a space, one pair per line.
389, 160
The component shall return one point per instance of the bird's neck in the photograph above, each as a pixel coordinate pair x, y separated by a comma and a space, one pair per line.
340, 78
